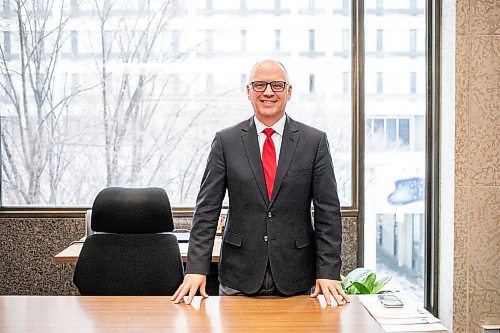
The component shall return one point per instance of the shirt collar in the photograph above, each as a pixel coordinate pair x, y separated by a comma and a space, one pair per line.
278, 127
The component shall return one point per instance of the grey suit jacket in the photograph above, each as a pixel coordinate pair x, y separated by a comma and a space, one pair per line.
258, 230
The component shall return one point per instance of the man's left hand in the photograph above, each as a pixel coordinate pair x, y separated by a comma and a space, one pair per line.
330, 288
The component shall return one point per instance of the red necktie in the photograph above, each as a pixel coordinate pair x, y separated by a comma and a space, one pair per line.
269, 161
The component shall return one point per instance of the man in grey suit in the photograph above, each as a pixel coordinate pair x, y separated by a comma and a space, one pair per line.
272, 168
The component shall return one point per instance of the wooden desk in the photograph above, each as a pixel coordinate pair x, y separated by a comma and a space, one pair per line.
71, 253
158, 314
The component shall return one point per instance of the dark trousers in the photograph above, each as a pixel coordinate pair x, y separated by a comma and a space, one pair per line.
268, 288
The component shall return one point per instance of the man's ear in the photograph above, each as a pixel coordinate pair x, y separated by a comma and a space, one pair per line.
248, 91
289, 91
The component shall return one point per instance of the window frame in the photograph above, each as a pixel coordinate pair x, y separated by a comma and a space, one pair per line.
432, 147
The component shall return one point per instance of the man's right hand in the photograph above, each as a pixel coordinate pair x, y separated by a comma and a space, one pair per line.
191, 284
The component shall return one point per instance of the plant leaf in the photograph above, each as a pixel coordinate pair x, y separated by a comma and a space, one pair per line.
369, 282
361, 288
347, 286
380, 284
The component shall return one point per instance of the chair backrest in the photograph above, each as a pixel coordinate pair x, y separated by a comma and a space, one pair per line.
132, 211
130, 258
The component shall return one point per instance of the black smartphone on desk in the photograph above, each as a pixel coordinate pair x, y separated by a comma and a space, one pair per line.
390, 301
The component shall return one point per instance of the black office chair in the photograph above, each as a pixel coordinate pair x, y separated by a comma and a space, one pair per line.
127, 255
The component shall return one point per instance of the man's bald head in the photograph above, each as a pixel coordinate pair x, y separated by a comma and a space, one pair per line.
268, 62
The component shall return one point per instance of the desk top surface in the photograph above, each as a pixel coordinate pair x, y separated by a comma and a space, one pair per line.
158, 314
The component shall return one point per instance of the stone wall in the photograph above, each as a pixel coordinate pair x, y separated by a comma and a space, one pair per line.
28, 245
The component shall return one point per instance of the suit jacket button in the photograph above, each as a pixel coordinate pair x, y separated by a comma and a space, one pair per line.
269, 214
265, 238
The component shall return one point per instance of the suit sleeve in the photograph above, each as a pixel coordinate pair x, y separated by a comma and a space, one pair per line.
208, 206
327, 218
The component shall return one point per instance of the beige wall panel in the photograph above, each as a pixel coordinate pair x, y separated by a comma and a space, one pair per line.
485, 17
461, 230
484, 257
484, 111
462, 110
462, 17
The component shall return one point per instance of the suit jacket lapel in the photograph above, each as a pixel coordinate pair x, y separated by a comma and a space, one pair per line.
288, 145
251, 144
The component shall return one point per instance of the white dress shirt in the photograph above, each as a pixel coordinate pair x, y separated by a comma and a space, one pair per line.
277, 136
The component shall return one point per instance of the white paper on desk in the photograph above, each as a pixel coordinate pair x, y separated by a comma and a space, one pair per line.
414, 328
406, 321
410, 309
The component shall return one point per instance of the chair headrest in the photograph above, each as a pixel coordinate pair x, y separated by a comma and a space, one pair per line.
132, 211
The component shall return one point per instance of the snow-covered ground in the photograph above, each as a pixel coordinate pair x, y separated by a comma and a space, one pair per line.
402, 283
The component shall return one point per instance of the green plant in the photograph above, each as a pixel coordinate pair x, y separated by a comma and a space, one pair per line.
363, 281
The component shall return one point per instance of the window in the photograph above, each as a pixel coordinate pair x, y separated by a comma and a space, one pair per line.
311, 40
6, 8
395, 158
413, 41
107, 42
141, 6
311, 83
210, 83
380, 83
140, 104
243, 40
7, 44
380, 41
346, 40
40, 6
413, 4
277, 40
74, 42
413, 83
209, 41
175, 42
404, 131
388, 133
345, 83
243, 82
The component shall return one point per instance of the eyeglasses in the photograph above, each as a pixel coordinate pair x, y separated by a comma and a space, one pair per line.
276, 86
